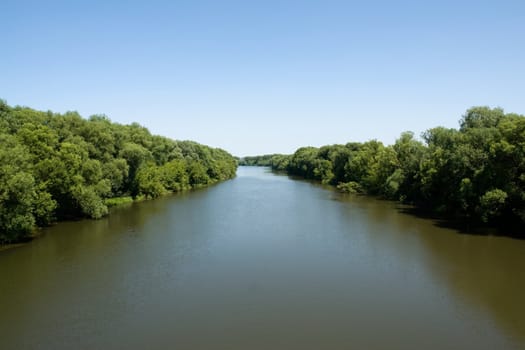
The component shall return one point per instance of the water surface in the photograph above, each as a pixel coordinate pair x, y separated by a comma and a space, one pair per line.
262, 262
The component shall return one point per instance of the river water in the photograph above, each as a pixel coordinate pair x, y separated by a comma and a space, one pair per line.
262, 262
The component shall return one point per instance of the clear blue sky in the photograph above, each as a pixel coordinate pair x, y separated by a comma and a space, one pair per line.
268, 76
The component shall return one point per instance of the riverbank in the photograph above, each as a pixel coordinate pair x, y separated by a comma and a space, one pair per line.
112, 203
61, 166
473, 174
459, 224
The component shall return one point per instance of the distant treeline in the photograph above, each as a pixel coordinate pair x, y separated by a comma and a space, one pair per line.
264, 160
475, 173
58, 166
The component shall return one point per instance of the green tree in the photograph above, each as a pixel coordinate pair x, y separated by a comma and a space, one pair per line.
149, 180
22, 202
63, 166
175, 176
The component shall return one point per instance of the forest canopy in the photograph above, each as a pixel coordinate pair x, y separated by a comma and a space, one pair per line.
476, 172
59, 166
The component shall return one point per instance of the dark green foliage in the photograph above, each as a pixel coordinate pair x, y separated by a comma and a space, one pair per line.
23, 202
350, 187
175, 176
476, 172
264, 160
149, 180
56, 166
278, 162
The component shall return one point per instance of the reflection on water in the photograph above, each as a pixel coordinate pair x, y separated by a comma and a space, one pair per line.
262, 262
483, 271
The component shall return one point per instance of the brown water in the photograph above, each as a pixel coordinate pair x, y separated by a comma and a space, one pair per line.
262, 262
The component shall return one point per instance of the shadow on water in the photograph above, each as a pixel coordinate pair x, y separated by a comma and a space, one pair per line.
461, 226
479, 267
464, 226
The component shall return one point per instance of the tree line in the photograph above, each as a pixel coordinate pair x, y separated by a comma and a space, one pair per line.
476, 172
61, 166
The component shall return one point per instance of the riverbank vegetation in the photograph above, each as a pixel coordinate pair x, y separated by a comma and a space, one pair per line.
476, 172
61, 166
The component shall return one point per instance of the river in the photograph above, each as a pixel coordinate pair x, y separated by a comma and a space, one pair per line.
262, 262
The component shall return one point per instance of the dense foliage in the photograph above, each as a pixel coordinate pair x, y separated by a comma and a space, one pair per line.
56, 166
276, 161
476, 172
